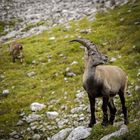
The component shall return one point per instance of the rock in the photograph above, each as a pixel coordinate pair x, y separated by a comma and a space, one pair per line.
52, 38
31, 74
34, 62
80, 95
5, 92
74, 63
138, 74
62, 134
79, 133
121, 19
137, 88
54, 12
1, 77
118, 133
37, 106
36, 137
70, 74
67, 69
62, 122
81, 117
119, 56
113, 59
85, 31
76, 109
66, 79
33, 117
20, 122
14, 134
52, 115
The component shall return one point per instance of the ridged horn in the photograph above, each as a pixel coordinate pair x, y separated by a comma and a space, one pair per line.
86, 43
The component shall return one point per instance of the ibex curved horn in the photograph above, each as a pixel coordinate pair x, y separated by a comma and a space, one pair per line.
86, 43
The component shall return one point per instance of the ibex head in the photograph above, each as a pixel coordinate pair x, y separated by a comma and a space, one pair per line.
92, 53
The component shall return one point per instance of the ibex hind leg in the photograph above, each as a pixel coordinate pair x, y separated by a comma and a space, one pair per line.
113, 110
104, 108
124, 109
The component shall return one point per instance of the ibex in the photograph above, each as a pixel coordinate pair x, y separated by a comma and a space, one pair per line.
16, 50
102, 81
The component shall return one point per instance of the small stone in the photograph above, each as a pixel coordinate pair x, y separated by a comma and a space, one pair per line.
31, 74
33, 117
85, 31
37, 106
2, 77
14, 134
62, 122
5, 92
137, 23
67, 69
80, 95
61, 55
52, 38
36, 137
138, 74
76, 109
70, 74
52, 115
34, 62
66, 79
121, 19
119, 56
74, 63
113, 59
20, 122
137, 88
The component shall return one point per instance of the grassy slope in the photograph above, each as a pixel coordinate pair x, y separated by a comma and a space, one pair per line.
115, 32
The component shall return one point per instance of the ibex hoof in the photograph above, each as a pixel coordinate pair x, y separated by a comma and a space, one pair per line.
126, 122
104, 124
90, 125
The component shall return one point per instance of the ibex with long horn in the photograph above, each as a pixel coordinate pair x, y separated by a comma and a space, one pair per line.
102, 81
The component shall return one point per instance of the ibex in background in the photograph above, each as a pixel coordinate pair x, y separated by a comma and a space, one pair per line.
16, 50
102, 81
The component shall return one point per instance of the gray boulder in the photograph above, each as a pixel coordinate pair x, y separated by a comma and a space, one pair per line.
79, 133
118, 133
62, 135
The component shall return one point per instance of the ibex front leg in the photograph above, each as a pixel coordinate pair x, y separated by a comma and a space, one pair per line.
92, 108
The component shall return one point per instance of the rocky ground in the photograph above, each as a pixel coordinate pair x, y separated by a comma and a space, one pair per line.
33, 79
30, 13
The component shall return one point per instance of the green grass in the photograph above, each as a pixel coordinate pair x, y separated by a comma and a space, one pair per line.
114, 37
